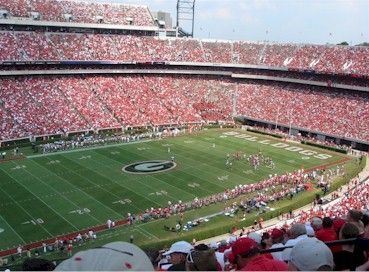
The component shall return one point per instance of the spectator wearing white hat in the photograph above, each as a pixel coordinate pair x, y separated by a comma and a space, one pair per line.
311, 254
296, 233
116, 256
255, 236
178, 253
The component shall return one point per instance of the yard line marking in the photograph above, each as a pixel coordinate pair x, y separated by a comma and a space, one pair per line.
149, 233
185, 150
13, 229
204, 189
162, 181
141, 232
20, 206
44, 201
101, 186
109, 178
89, 196
138, 179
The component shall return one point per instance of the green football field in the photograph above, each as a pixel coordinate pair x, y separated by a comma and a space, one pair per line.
48, 195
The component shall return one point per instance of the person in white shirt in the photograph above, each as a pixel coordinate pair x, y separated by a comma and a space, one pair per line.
296, 233
108, 223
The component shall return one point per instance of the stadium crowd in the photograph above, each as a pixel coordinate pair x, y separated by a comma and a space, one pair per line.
335, 113
66, 104
21, 46
79, 12
56, 105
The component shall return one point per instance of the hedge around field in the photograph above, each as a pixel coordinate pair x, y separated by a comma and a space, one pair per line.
335, 149
265, 133
219, 126
352, 169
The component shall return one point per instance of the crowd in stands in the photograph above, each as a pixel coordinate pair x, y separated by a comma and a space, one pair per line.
356, 197
57, 105
335, 113
32, 106
79, 11
9, 48
38, 108
18, 45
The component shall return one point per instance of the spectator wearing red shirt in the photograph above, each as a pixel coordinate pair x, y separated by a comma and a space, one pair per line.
327, 233
246, 254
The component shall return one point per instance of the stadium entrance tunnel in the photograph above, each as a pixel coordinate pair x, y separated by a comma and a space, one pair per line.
149, 167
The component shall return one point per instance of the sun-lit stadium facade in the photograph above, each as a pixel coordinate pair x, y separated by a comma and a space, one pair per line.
71, 66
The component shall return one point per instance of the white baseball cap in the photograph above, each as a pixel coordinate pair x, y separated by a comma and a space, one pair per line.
255, 236
180, 247
310, 254
116, 256
214, 245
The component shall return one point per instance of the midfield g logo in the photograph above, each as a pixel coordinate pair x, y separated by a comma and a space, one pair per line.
149, 167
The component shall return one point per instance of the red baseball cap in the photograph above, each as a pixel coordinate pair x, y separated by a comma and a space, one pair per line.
276, 233
262, 263
243, 246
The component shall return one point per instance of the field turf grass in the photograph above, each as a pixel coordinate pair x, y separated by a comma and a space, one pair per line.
49, 195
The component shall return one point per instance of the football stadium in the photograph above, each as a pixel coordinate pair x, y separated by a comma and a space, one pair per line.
127, 143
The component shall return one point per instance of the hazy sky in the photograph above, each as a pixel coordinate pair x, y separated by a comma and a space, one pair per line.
307, 21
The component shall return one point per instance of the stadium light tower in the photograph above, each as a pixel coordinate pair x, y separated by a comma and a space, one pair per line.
185, 13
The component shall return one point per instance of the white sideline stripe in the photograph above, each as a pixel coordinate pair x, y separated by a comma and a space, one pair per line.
139, 227
142, 232
89, 148
12, 229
